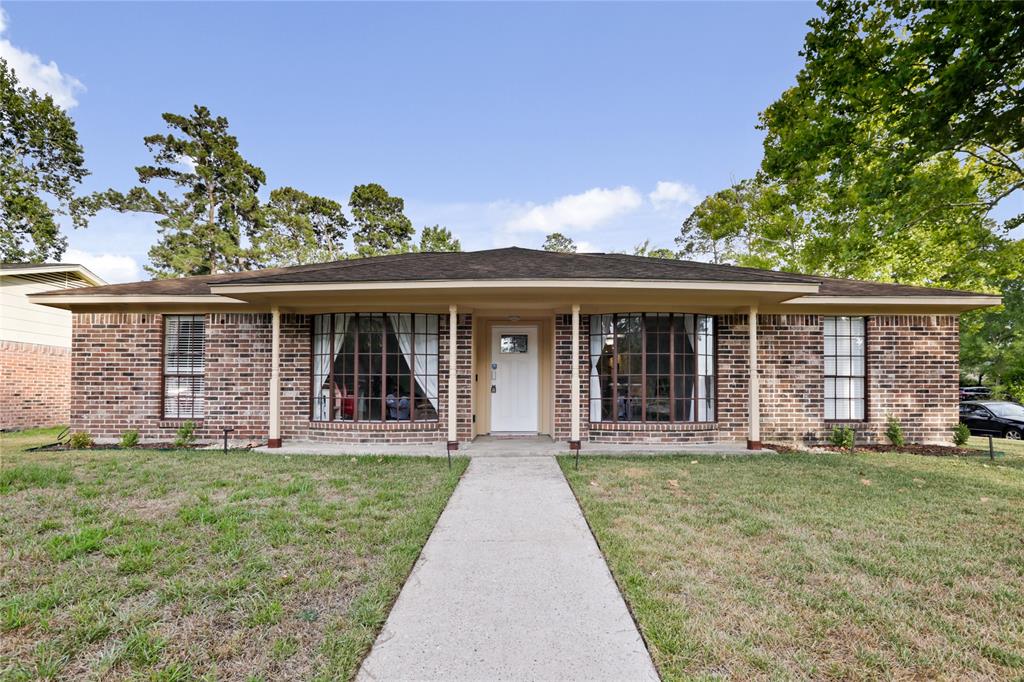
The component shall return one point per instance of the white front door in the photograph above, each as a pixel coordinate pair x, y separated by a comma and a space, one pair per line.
513, 374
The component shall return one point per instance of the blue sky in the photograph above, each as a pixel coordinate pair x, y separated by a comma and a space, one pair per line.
501, 121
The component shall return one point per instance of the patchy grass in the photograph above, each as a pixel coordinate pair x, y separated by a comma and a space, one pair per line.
817, 566
181, 565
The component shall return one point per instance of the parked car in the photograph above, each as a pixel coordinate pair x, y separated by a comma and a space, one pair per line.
993, 418
975, 393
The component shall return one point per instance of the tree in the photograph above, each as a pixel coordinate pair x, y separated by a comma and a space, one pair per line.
887, 86
41, 165
644, 249
202, 227
556, 241
437, 239
300, 228
381, 225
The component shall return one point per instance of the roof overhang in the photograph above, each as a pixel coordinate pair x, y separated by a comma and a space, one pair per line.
137, 303
517, 293
55, 268
888, 304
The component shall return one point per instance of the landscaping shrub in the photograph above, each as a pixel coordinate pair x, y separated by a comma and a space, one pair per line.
130, 438
960, 435
894, 432
842, 437
80, 440
186, 436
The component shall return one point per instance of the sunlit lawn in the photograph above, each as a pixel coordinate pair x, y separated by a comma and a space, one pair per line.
177, 565
818, 566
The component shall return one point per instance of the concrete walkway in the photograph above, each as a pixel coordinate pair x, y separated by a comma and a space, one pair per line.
510, 586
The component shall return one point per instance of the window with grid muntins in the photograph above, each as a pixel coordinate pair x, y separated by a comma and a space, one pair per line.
184, 364
845, 369
375, 367
652, 367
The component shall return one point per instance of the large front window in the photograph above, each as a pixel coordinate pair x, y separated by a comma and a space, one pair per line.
652, 367
844, 368
375, 367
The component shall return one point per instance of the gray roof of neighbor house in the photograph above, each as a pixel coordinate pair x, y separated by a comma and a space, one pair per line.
512, 263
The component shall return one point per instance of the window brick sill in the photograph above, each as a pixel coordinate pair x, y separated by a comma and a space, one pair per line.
376, 426
657, 426
175, 423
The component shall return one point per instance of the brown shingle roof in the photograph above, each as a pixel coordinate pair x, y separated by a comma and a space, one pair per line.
509, 264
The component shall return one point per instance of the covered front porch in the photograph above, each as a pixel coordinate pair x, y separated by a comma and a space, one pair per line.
516, 360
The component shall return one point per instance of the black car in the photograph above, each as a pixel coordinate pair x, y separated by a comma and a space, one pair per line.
993, 418
975, 393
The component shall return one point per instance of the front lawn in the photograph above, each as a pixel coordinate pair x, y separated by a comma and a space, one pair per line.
817, 566
176, 565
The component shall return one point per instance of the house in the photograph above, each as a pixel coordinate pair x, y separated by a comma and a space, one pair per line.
35, 344
443, 347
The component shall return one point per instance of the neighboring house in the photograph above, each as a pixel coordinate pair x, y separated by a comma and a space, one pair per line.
442, 347
35, 344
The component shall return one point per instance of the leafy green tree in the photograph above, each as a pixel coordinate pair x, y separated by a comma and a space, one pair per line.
41, 165
437, 239
992, 342
215, 210
644, 248
887, 86
556, 241
300, 228
750, 223
381, 224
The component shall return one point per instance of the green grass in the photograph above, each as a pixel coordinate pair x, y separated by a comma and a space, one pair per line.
183, 565
817, 566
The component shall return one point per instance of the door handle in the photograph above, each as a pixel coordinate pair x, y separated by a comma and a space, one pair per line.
494, 389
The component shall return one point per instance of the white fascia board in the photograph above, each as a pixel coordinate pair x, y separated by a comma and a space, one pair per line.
795, 288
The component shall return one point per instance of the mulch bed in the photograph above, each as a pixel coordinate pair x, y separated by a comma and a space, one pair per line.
115, 446
927, 450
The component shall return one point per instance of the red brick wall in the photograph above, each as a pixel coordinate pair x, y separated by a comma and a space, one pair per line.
912, 374
912, 365
35, 385
563, 377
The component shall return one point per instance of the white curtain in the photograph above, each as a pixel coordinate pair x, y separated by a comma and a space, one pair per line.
596, 347
322, 354
425, 371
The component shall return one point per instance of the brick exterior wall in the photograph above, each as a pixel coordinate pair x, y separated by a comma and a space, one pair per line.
35, 385
117, 381
562, 425
912, 374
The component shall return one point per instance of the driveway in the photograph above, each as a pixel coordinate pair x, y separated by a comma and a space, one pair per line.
510, 585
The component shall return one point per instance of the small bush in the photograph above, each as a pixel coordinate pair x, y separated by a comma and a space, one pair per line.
842, 437
894, 432
960, 435
186, 436
130, 438
80, 440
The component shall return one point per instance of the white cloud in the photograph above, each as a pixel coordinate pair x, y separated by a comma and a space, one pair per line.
666, 193
45, 78
586, 247
186, 162
107, 265
578, 211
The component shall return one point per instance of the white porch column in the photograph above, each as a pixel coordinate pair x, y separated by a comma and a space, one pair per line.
754, 412
574, 437
274, 435
453, 323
